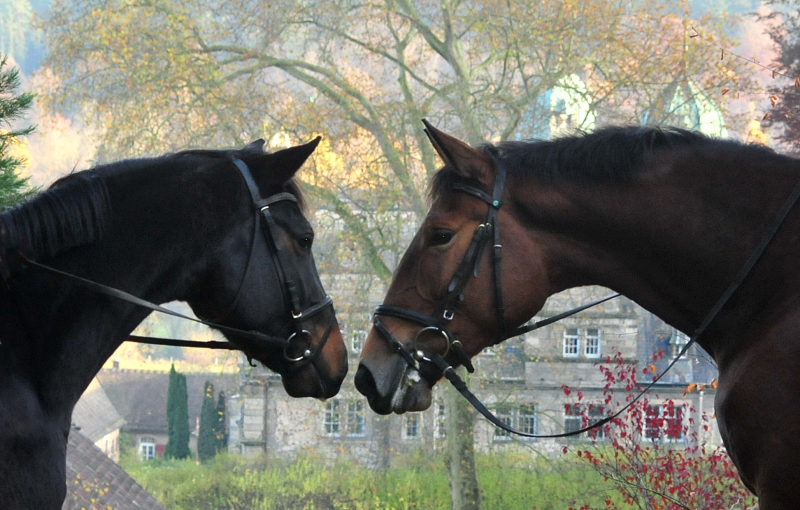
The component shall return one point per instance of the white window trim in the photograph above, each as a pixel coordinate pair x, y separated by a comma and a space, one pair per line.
332, 416
577, 338
586, 344
147, 448
345, 416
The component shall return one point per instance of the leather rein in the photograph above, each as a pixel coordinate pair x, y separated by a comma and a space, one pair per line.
437, 324
258, 340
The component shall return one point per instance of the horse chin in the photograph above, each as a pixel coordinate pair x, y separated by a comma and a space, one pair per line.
413, 394
309, 383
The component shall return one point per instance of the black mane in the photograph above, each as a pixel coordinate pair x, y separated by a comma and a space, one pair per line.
72, 212
75, 209
610, 154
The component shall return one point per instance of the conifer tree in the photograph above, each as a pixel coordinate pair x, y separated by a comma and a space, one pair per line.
206, 438
177, 417
219, 429
13, 105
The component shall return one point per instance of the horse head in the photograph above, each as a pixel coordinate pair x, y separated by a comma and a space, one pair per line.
263, 277
449, 295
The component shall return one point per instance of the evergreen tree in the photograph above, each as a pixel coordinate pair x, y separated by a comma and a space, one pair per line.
219, 429
12, 107
206, 438
177, 417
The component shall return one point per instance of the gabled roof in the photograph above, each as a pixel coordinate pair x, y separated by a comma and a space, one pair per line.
94, 413
91, 475
141, 396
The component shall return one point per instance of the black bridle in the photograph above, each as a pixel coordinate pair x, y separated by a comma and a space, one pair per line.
12, 261
469, 265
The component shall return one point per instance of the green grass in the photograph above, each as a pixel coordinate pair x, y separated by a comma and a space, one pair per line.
416, 481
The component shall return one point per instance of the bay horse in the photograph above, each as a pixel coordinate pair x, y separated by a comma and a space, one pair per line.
189, 226
665, 216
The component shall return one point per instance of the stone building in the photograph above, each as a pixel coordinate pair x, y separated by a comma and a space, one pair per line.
531, 383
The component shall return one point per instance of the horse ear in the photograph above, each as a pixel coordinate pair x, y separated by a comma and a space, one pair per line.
283, 164
256, 145
468, 161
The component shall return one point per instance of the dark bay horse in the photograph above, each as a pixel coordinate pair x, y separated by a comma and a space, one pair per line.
665, 216
222, 230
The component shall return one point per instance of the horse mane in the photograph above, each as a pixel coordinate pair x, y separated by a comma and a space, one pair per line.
72, 212
610, 154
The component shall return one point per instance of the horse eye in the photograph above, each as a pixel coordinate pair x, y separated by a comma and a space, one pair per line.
440, 237
306, 242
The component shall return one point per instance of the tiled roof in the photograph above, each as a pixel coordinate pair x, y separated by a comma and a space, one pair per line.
94, 413
141, 396
95, 481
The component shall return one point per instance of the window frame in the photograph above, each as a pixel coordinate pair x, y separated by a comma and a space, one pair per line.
586, 344
147, 448
523, 417
663, 430
567, 336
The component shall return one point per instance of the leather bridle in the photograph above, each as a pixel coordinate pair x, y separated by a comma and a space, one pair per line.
437, 324
289, 289
470, 264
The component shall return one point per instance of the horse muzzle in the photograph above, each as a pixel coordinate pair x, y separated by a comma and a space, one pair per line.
396, 387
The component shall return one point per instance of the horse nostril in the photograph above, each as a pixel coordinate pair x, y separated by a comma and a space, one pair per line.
365, 383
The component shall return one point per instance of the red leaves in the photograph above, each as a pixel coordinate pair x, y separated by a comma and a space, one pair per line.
656, 450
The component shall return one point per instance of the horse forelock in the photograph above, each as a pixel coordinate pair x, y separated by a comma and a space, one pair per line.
612, 154
74, 211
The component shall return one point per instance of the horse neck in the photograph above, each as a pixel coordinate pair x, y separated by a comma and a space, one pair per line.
672, 239
152, 249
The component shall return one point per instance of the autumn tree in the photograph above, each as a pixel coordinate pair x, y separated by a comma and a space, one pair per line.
159, 74
655, 452
13, 105
784, 25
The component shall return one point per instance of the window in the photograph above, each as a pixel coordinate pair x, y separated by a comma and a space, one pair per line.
412, 426
342, 418
522, 418
664, 422
505, 415
589, 337
356, 419
357, 339
596, 413
526, 419
571, 343
331, 420
441, 420
578, 416
677, 343
592, 345
572, 417
147, 448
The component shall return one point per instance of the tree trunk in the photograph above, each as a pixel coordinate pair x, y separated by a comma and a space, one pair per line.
465, 494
